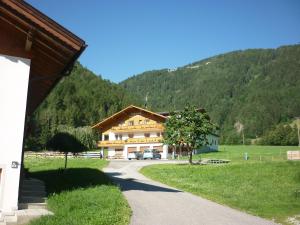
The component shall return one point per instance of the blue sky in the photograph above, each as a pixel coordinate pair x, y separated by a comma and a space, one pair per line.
128, 37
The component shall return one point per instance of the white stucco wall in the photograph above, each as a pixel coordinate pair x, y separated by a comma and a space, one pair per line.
111, 136
213, 142
138, 135
150, 145
111, 152
14, 76
165, 152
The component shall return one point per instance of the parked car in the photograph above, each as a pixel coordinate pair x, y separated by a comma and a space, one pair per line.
135, 155
151, 154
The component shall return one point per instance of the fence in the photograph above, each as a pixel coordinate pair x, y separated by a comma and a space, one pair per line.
60, 154
246, 155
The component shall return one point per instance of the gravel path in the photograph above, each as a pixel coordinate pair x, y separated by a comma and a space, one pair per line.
154, 203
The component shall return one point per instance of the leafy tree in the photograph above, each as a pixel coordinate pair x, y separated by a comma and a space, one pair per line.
65, 142
86, 135
172, 136
298, 129
188, 128
281, 135
45, 135
79, 100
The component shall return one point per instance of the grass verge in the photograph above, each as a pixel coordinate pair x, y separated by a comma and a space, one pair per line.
80, 195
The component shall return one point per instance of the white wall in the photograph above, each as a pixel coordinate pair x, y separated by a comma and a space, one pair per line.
150, 145
213, 142
111, 136
111, 152
165, 152
14, 76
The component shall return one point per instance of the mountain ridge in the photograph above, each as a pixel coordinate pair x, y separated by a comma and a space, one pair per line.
257, 87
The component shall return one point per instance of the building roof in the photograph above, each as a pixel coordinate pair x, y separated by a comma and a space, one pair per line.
125, 113
28, 33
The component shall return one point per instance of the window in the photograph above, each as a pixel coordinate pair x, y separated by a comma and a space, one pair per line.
106, 137
158, 134
147, 135
120, 136
130, 135
146, 121
130, 123
116, 136
140, 121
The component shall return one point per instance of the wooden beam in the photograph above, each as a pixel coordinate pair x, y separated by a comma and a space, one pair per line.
28, 43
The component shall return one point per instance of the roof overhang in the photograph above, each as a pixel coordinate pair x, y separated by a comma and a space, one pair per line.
127, 112
28, 33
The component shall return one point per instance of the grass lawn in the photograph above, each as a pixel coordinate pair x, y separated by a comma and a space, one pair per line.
262, 188
81, 195
236, 153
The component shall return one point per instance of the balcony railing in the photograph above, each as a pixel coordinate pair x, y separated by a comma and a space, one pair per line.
141, 127
130, 141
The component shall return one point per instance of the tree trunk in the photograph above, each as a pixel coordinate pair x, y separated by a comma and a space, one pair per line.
298, 127
191, 155
174, 151
66, 159
180, 151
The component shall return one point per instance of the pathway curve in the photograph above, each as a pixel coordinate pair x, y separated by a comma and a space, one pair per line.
154, 203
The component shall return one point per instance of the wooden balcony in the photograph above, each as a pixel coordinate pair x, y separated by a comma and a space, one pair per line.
120, 143
141, 128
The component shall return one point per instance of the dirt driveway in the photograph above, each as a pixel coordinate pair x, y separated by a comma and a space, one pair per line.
154, 203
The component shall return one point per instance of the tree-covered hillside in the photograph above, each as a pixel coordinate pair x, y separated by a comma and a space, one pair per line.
259, 88
80, 99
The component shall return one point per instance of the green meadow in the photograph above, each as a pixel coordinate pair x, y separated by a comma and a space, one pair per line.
80, 195
264, 185
255, 153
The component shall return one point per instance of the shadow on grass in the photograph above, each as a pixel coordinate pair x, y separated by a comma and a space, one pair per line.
57, 181
132, 184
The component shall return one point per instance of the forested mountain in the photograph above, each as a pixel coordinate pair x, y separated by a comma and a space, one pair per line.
259, 88
80, 99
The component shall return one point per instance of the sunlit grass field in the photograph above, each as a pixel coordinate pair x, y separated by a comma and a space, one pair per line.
264, 185
80, 195
236, 153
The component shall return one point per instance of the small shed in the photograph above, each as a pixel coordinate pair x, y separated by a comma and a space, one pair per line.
293, 155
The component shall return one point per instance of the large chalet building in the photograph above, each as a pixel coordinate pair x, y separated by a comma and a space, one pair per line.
136, 129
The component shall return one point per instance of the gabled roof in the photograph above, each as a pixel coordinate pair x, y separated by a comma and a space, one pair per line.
127, 112
28, 33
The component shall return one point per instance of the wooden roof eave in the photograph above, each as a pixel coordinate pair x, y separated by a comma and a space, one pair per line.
51, 43
116, 116
43, 22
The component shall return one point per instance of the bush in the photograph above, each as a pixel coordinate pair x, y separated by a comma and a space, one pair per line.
281, 135
85, 135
